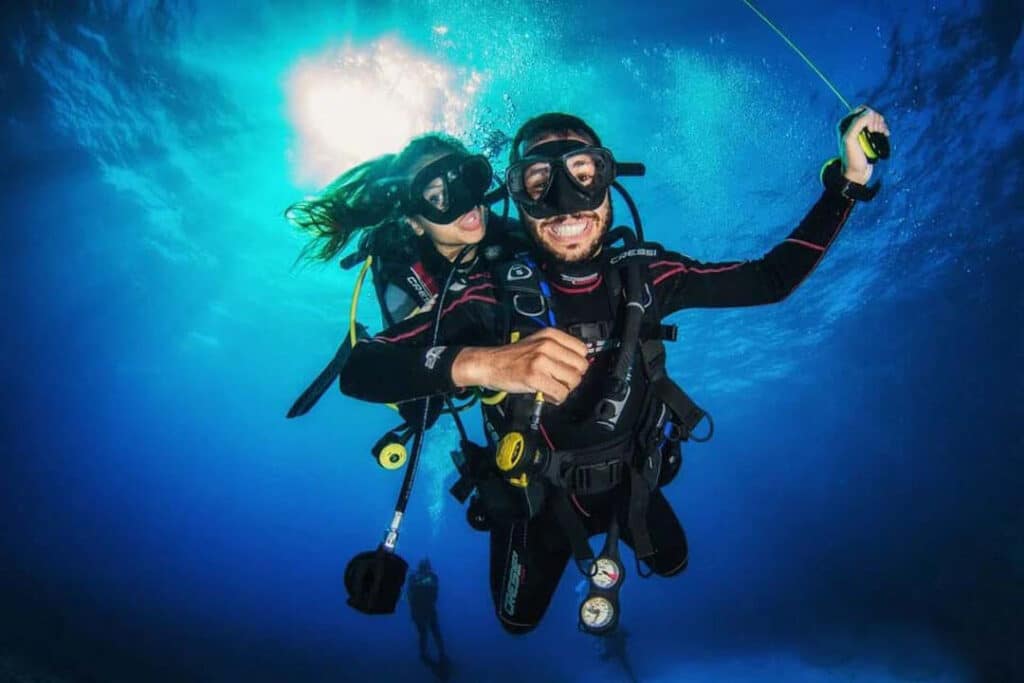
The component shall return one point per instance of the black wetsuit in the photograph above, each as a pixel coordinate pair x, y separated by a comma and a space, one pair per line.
422, 594
527, 558
407, 280
406, 276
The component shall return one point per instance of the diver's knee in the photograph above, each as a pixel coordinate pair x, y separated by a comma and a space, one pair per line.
675, 569
667, 566
516, 628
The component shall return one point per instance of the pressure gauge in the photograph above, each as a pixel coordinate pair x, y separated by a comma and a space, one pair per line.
606, 573
597, 613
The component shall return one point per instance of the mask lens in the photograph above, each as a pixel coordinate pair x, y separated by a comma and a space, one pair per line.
477, 175
582, 168
537, 179
450, 186
436, 194
561, 177
589, 169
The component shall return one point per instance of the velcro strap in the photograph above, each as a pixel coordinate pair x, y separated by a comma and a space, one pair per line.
654, 331
688, 414
832, 177
669, 332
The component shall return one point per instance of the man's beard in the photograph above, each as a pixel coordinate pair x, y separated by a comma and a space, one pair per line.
537, 230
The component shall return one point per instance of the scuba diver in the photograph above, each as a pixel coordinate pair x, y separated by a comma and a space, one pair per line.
407, 242
422, 596
613, 647
565, 341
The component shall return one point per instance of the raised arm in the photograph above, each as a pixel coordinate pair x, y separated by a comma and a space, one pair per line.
682, 282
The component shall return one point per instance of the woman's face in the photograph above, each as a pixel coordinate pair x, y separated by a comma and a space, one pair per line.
448, 238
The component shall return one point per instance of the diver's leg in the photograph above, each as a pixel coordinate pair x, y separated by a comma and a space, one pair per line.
435, 628
421, 629
671, 552
527, 561
628, 666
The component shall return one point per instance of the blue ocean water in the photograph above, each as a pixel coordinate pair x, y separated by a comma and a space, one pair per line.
857, 515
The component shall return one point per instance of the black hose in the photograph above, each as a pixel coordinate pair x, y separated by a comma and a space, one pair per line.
634, 310
637, 223
414, 458
454, 410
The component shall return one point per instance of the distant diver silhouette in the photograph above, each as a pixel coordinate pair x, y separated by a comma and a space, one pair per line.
613, 646
422, 595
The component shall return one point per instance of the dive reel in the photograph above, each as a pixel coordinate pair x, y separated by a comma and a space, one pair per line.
875, 145
599, 612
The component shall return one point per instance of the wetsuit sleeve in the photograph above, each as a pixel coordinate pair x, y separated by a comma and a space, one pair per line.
401, 364
682, 282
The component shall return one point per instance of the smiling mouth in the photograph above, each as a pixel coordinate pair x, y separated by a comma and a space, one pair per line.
471, 220
569, 230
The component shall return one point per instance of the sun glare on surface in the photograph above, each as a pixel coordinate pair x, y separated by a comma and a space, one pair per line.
352, 103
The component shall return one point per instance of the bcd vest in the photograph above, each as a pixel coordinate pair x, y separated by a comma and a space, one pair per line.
644, 457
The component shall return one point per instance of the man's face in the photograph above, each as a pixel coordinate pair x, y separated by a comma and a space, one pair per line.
575, 237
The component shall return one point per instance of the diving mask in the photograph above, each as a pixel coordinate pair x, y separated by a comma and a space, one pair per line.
442, 190
561, 177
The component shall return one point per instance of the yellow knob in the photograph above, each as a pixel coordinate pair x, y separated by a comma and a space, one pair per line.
392, 456
510, 451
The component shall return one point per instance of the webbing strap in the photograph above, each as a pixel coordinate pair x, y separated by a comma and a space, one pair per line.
686, 411
639, 497
572, 526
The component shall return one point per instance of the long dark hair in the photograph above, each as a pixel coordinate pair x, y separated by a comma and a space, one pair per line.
347, 207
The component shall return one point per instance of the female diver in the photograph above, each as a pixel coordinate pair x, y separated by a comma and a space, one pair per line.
413, 212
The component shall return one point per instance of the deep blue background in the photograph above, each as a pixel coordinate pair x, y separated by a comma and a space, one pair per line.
857, 515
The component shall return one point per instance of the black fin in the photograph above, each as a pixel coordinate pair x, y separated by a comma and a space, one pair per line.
304, 403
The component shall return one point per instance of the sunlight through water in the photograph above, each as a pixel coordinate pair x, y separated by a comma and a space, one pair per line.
352, 103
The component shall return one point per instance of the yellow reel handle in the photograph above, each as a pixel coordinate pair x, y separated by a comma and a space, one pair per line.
865, 145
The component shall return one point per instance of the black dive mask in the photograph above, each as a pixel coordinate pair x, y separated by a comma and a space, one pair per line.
442, 190
561, 177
